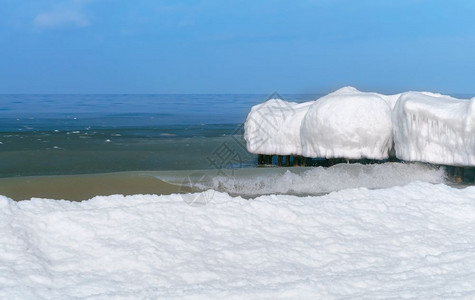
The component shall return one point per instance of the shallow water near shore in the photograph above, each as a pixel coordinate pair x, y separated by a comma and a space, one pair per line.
245, 182
64, 153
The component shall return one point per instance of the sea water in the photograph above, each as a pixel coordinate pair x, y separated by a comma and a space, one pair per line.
58, 135
52, 145
79, 134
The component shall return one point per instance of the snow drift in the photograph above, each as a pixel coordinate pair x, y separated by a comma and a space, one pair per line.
434, 128
414, 241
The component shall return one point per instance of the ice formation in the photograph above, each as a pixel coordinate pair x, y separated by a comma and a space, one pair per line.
273, 127
434, 128
347, 123
318, 181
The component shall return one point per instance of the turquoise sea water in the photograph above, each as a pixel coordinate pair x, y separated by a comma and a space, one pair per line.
79, 134
159, 144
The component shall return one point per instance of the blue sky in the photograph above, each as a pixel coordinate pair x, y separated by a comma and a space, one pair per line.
231, 46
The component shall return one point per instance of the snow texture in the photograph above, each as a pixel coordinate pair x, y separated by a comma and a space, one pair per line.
414, 241
273, 127
434, 128
347, 123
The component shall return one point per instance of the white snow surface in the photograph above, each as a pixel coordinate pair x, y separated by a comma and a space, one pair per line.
273, 127
348, 123
412, 241
434, 128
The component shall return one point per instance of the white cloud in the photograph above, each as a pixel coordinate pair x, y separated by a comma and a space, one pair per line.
61, 18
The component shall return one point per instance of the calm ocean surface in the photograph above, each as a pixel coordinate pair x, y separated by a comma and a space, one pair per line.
80, 134
135, 144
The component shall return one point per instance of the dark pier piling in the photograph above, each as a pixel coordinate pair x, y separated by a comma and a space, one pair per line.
282, 160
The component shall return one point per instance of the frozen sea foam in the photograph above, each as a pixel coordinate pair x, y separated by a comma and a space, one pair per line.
434, 128
412, 241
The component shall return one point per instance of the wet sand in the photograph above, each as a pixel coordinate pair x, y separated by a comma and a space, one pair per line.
86, 186
83, 187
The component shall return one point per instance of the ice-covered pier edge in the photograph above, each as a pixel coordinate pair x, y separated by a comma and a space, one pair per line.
350, 124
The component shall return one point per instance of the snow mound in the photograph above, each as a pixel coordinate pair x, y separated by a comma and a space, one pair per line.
434, 128
414, 241
348, 123
273, 127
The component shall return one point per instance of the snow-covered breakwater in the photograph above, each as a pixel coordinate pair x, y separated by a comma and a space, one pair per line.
418, 126
434, 128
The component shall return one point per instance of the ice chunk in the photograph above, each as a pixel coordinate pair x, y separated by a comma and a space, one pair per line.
348, 123
434, 128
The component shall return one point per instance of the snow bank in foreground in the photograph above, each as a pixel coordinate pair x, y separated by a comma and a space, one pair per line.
412, 241
434, 128
348, 123
273, 127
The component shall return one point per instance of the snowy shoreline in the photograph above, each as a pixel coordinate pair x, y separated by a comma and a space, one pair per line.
415, 240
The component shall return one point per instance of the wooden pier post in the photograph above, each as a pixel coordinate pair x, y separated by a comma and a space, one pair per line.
269, 159
299, 161
279, 160
459, 174
287, 160
260, 159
